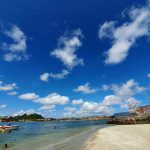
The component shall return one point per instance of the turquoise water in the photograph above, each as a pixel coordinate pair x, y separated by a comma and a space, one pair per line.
50, 135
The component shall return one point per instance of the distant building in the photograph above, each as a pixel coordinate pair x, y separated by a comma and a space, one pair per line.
122, 114
144, 111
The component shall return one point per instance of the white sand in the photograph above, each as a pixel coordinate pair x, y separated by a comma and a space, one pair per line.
121, 137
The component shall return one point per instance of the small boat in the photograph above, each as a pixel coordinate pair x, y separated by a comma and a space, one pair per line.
12, 127
9, 127
15, 127
3, 129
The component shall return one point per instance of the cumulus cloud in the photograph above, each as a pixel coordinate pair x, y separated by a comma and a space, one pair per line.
130, 103
89, 108
148, 75
85, 89
105, 87
14, 57
29, 96
3, 106
70, 109
59, 75
50, 107
48, 102
111, 100
125, 36
45, 77
7, 87
77, 102
53, 99
12, 93
123, 94
95, 108
67, 47
15, 51
70, 112
106, 30
128, 89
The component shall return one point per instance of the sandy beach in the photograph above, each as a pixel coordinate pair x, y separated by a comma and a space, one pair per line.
120, 137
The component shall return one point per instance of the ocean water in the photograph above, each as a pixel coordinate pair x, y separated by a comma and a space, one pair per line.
69, 135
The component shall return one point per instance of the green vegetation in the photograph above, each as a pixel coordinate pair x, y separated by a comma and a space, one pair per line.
26, 117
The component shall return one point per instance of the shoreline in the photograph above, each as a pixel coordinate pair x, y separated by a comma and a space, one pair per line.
120, 137
67, 135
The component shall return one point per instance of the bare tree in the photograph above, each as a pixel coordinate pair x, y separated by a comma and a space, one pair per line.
133, 108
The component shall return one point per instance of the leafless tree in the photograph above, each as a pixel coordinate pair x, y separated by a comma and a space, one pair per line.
133, 109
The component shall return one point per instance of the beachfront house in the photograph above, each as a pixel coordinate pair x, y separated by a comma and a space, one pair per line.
143, 111
122, 114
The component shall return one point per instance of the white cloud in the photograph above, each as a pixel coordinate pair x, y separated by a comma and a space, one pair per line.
85, 89
48, 101
128, 89
15, 51
19, 38
70, 112
123, 94
59, 75
125, 36
12, 93
50, 107
105, 87
45, 77
14, 57
3, 106
22, 112
104, 107
29, 96
88, 109
89, 106
53, 99
77, 102
70, 109
130, 103
111, 100
148, 75
95, 108
67, 47
7, 87
106, 30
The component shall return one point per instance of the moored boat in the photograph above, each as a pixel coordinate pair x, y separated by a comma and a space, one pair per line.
12, 127
9, 127
15, 127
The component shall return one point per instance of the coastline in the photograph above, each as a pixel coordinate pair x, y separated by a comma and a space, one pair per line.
76, 142
120, 137
43, 135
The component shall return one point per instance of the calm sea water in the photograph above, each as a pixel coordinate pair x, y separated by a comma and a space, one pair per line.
50, 135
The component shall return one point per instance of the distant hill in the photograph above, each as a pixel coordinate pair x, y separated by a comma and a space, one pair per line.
26, 117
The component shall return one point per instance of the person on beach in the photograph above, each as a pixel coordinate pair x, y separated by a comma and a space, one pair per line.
6, 146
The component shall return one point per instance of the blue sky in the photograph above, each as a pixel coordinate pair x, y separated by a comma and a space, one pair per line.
72, 57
